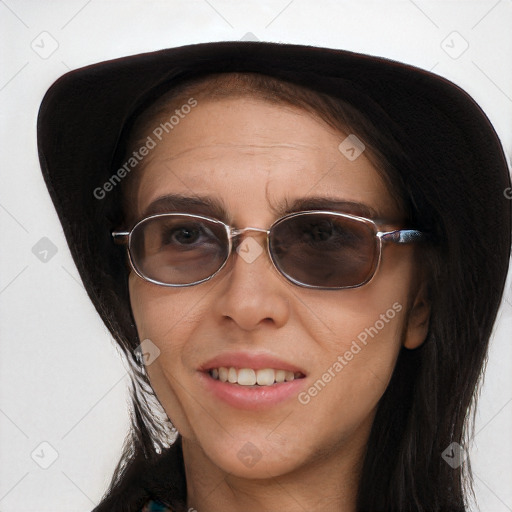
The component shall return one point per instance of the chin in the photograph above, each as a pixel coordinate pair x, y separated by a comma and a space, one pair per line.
252, 456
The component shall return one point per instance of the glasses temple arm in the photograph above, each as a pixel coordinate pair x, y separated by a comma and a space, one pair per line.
402, 236
120, 237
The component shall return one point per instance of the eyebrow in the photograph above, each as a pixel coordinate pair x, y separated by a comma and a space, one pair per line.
209, 206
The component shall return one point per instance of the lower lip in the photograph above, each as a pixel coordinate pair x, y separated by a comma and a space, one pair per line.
251, 397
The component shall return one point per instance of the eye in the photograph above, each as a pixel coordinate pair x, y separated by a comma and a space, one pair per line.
329, 231
320, 231
185, 235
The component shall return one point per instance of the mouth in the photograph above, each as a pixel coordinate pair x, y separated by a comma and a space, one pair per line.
249, 377
253, 382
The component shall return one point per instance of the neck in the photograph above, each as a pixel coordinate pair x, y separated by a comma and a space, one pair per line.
327, 483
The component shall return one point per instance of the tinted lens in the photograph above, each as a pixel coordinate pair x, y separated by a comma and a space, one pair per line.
176, 249
325, 250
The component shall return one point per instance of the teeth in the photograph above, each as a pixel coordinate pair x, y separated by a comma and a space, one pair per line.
232, 376
280, 375
250, 377
247, 377
289, 376
265, 377
223, 374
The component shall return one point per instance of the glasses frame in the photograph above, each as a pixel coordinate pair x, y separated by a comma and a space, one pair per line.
398, 236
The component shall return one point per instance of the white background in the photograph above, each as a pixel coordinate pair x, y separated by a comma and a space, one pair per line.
62, 381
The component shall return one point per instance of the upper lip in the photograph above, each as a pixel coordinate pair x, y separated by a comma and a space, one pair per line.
249, 360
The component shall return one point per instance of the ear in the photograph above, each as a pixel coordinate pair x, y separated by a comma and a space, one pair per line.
418, 318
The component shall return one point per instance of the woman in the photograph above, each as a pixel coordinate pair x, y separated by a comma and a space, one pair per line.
301, 252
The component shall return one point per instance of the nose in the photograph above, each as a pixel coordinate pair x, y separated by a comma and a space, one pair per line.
252, 292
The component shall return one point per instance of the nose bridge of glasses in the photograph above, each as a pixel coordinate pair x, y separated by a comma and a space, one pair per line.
238, 232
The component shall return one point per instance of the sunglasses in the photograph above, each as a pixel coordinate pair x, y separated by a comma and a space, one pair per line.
313, 249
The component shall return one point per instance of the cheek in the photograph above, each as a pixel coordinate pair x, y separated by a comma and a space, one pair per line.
169, 318
366, 356
166, 317
359, 336
159, 312
352, 375
359, 355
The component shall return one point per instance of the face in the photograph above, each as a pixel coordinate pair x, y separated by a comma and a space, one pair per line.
250, 156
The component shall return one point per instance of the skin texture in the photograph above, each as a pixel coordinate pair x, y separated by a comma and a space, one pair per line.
251, 154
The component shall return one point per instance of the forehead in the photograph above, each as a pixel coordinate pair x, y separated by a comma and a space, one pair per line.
255, 156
